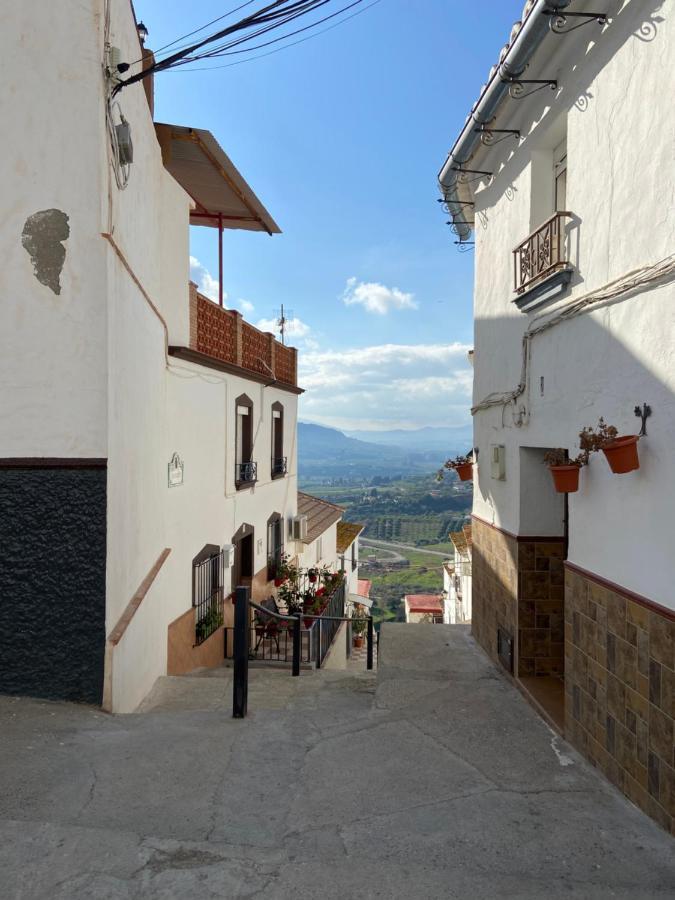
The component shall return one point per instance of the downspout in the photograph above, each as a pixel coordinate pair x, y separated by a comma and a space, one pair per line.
532, 34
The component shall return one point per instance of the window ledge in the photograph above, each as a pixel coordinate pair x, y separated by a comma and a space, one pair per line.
550, 288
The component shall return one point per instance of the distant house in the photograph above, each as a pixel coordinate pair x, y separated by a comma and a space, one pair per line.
347, 547
457, 579
423, 608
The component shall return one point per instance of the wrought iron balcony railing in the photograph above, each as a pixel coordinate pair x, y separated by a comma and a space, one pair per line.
246, 473
279, 466
541, 253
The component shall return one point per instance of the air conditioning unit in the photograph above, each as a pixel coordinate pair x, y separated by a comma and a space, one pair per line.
299, 528
228, 555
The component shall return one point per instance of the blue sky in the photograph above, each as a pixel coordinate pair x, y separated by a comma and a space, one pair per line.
342, 137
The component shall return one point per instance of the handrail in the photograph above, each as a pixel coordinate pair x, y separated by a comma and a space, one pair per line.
540, 253
270, 612
117, 633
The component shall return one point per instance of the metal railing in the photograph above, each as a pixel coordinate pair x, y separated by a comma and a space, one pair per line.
246, 473
279, 466
541, 253
207, 596
319, 645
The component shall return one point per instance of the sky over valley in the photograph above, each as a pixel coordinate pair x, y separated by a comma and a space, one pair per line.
341, 137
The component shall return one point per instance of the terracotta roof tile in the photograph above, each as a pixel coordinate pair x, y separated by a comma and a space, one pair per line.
347, 532
320, 515
424, 603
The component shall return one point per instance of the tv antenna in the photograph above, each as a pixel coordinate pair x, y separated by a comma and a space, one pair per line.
283, 316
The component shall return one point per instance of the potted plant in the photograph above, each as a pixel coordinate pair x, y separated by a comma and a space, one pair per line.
620, 450
312, 575
359, 625
565, 471
463, 465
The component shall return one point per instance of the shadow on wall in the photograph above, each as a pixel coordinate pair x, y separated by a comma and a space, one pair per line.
602, 364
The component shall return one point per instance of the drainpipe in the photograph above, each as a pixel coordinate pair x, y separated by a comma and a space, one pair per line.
532, 34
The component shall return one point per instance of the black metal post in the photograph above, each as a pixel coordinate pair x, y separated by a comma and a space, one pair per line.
241, 648
317, 624
369, 656
296, 646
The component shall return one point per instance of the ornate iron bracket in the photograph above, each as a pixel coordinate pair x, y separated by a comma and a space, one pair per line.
487, 135
453, 225
559, 24
456, 202
643, 414
462, 173
463, 246
517, 86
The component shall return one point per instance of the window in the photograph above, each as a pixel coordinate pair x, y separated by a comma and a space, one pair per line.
278, 458
355, 561
246, 470
275, 544
319, 549
208, 578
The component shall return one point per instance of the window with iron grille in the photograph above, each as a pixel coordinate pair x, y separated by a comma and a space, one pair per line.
208, 577
275, 545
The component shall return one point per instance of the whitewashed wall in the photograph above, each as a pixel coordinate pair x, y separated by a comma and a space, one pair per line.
620, 155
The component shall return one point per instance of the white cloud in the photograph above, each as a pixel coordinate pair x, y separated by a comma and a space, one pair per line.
295, 328
376, 298
207, 284
387, 386
245, 306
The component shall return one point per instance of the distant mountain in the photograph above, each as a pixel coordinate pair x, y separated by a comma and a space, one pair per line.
449, 440
330, 453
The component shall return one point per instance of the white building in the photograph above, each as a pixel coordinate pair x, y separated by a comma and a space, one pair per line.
457, 579
423, 609
563, 173
144, 427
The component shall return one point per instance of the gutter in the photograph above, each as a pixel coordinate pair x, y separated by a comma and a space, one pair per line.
531, 36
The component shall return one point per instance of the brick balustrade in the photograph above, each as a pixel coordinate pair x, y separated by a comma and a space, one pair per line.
224, 335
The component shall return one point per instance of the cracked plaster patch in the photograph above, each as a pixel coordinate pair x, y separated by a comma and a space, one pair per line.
42, 238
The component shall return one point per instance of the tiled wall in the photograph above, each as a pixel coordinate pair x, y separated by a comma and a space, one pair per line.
541, 624
495, 586
620, 692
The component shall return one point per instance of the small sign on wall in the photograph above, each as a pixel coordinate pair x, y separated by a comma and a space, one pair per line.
175, 471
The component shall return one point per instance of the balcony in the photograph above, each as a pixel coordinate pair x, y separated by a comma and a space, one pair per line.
233, 344
541, 254
279, 466
246, 473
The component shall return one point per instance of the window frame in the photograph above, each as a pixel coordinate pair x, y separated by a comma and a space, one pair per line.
243, 443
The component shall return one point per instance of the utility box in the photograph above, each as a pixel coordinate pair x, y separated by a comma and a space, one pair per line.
498, 461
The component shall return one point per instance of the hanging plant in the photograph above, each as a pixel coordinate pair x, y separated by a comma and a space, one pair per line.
565, 471
620, 450
463, 465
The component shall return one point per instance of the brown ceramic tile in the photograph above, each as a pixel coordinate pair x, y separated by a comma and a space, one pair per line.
643, 652
653, 775
616, 615
637, 615
616, 697
654, 682
660, 733
661, 639
642, 741
667, 788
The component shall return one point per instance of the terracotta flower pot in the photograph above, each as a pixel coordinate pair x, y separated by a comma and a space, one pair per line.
358, 640
565, 478
465, 471
622, 454
278, 582
312, 579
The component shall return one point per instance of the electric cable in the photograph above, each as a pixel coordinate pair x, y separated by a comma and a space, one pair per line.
309, 37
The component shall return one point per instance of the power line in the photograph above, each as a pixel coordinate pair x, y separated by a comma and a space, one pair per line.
309, 37
266, 19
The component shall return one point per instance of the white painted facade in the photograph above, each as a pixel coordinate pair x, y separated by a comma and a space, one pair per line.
457, 583
613, 107
85, 373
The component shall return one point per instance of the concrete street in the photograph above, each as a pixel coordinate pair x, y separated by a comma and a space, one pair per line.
433, 780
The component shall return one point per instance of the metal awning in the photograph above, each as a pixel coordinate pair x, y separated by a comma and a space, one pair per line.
362, 601
222, 197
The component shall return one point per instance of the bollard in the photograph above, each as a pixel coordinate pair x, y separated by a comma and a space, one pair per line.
369, 658
241, 648
296, 646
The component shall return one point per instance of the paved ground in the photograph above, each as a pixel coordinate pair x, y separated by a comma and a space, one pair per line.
442, 784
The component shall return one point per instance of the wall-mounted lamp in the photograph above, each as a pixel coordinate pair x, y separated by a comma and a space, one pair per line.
643, 414
142, 33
